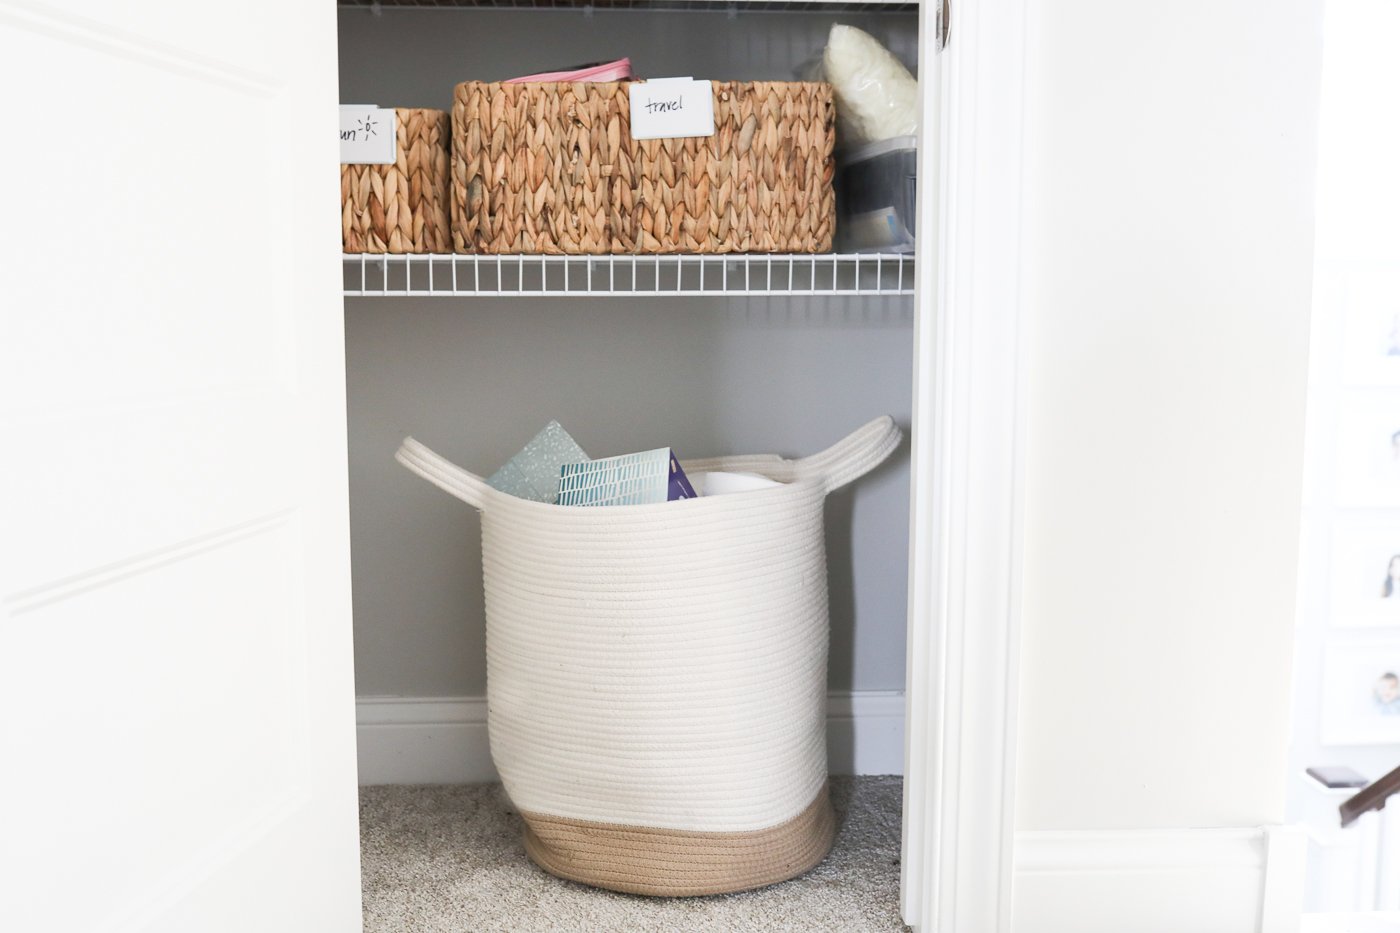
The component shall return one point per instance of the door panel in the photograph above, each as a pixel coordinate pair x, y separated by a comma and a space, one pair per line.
175, 666
251, 43
174, 750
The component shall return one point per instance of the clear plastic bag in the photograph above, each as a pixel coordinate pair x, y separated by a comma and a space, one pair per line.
876, 96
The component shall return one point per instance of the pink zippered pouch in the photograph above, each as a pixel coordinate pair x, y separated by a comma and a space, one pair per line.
619, 70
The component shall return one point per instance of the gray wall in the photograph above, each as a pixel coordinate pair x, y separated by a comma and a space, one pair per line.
475, 378
414, 57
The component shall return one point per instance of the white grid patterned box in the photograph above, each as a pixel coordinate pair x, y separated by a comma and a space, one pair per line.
631, 479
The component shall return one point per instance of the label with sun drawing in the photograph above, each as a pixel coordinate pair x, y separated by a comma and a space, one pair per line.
367, 135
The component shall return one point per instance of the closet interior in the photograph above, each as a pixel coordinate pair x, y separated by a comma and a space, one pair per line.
473, 354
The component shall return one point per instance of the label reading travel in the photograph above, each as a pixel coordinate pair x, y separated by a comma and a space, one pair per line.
367, 135
672, 108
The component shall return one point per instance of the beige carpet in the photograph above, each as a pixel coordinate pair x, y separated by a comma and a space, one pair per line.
448, 859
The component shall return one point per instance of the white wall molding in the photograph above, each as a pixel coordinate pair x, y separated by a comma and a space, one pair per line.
423, 740
443, 740
1160, 881
966, 490
865, 732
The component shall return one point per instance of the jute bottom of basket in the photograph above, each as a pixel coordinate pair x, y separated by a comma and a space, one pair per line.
680, 863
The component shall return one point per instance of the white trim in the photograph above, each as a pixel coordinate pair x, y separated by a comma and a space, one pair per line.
443, 740
1112, 852
421, 740
1366, 921
865, 732
1285, 879
105, 37
1160, 881
966, 513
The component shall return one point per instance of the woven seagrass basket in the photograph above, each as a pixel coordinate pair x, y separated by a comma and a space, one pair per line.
400, 208
553, 168
656, 674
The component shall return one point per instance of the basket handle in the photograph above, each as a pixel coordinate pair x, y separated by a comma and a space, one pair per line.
846, 460
854, 455
443, 473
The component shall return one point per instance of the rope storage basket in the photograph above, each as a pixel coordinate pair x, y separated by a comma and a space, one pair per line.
403, 207
656, 674
553, 168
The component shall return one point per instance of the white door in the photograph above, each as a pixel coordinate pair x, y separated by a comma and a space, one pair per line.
176, 736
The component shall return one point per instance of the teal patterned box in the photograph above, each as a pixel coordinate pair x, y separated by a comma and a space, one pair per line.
632, 479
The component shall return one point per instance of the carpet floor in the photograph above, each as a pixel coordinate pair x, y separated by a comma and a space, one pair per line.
449, 859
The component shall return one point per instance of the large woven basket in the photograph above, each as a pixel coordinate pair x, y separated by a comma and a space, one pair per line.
403, 207
656, 674
553, 168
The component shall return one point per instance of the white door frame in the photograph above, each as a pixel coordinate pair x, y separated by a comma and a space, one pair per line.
966, 496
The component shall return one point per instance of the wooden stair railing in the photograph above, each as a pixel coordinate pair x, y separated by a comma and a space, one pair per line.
1371, 797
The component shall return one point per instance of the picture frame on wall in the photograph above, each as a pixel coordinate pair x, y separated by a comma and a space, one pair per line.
1364, 586
1368, 450
1372, 335
1361, 693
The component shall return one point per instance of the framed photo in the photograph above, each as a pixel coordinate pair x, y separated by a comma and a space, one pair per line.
1361, 694
1364, 588
1368, 451
1372, 341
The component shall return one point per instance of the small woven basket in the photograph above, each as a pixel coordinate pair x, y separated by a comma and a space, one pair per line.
553, 168
400, 208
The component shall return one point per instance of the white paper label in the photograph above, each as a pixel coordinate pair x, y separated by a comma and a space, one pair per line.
367, 135
671, 108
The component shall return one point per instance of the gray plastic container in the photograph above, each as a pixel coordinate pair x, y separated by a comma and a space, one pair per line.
875, 197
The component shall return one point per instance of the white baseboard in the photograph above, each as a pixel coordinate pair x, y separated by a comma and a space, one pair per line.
1159, 881
442, 740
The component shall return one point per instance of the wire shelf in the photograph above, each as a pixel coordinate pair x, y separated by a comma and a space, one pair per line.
448, 275
589, 6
